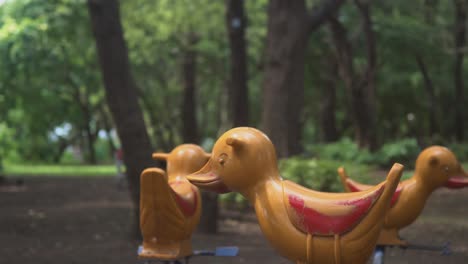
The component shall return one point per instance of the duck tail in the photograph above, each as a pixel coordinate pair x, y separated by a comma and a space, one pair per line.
373, 222
391, 184
344, 178
158, 206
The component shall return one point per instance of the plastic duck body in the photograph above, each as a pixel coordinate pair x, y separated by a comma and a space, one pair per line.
436, 166
169, 205
303, 225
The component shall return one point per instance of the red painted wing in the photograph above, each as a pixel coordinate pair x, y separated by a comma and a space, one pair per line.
188, 206
311, 221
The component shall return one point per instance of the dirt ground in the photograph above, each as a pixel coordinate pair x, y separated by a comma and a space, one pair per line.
87, 220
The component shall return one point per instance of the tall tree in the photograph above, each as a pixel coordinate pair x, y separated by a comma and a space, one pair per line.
368, 138
289, 26
360, 86
209, 217
327, 112
189, 117
460, 42
82, 97
121, 93
429, 8
431, 98
238, 92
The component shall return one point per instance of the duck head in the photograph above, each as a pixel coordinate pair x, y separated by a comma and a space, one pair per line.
437, 166
184, 159
241, 158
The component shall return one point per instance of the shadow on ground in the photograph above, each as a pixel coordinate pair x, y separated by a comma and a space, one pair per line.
87, 220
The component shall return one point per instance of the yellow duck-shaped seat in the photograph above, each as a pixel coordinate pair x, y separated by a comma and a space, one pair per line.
305, 226
169, 205
436, 166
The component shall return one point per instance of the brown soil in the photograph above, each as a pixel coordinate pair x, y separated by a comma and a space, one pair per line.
87, 220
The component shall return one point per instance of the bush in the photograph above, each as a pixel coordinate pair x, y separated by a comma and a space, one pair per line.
403, 151
343, 150
233, 200
318, 174
460, 150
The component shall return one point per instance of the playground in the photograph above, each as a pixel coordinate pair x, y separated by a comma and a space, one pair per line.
113, 111
87, 220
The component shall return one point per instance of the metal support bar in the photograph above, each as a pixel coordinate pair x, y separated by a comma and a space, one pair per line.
444, 249
379, 254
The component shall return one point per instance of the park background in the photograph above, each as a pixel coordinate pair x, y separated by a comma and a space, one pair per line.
358, 83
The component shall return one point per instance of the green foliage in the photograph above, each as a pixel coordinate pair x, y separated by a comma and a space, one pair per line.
49, 75
403, 151
8, 146
343, 150
318, 174
460, 150
103, 154
158, 34
233, 199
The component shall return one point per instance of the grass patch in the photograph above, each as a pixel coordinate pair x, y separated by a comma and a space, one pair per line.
59, 170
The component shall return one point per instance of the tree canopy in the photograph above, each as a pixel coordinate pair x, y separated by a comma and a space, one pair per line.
52, 96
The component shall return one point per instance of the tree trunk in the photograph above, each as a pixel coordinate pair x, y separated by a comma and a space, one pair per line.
90, 136
90, 139
283, 86
460, 41
327, 111
360, 88
107, 127
289, 26
431, 100
161, 144
238, 91
369, 132
121, 94
63, 144
85, 107
209, 217
189, 121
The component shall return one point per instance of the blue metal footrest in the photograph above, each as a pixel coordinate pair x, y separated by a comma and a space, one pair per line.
218, 252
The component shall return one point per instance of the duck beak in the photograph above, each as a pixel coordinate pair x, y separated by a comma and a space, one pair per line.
207, 179
458, 181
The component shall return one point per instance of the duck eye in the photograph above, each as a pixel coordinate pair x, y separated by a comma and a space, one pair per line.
446, 169
222, 159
